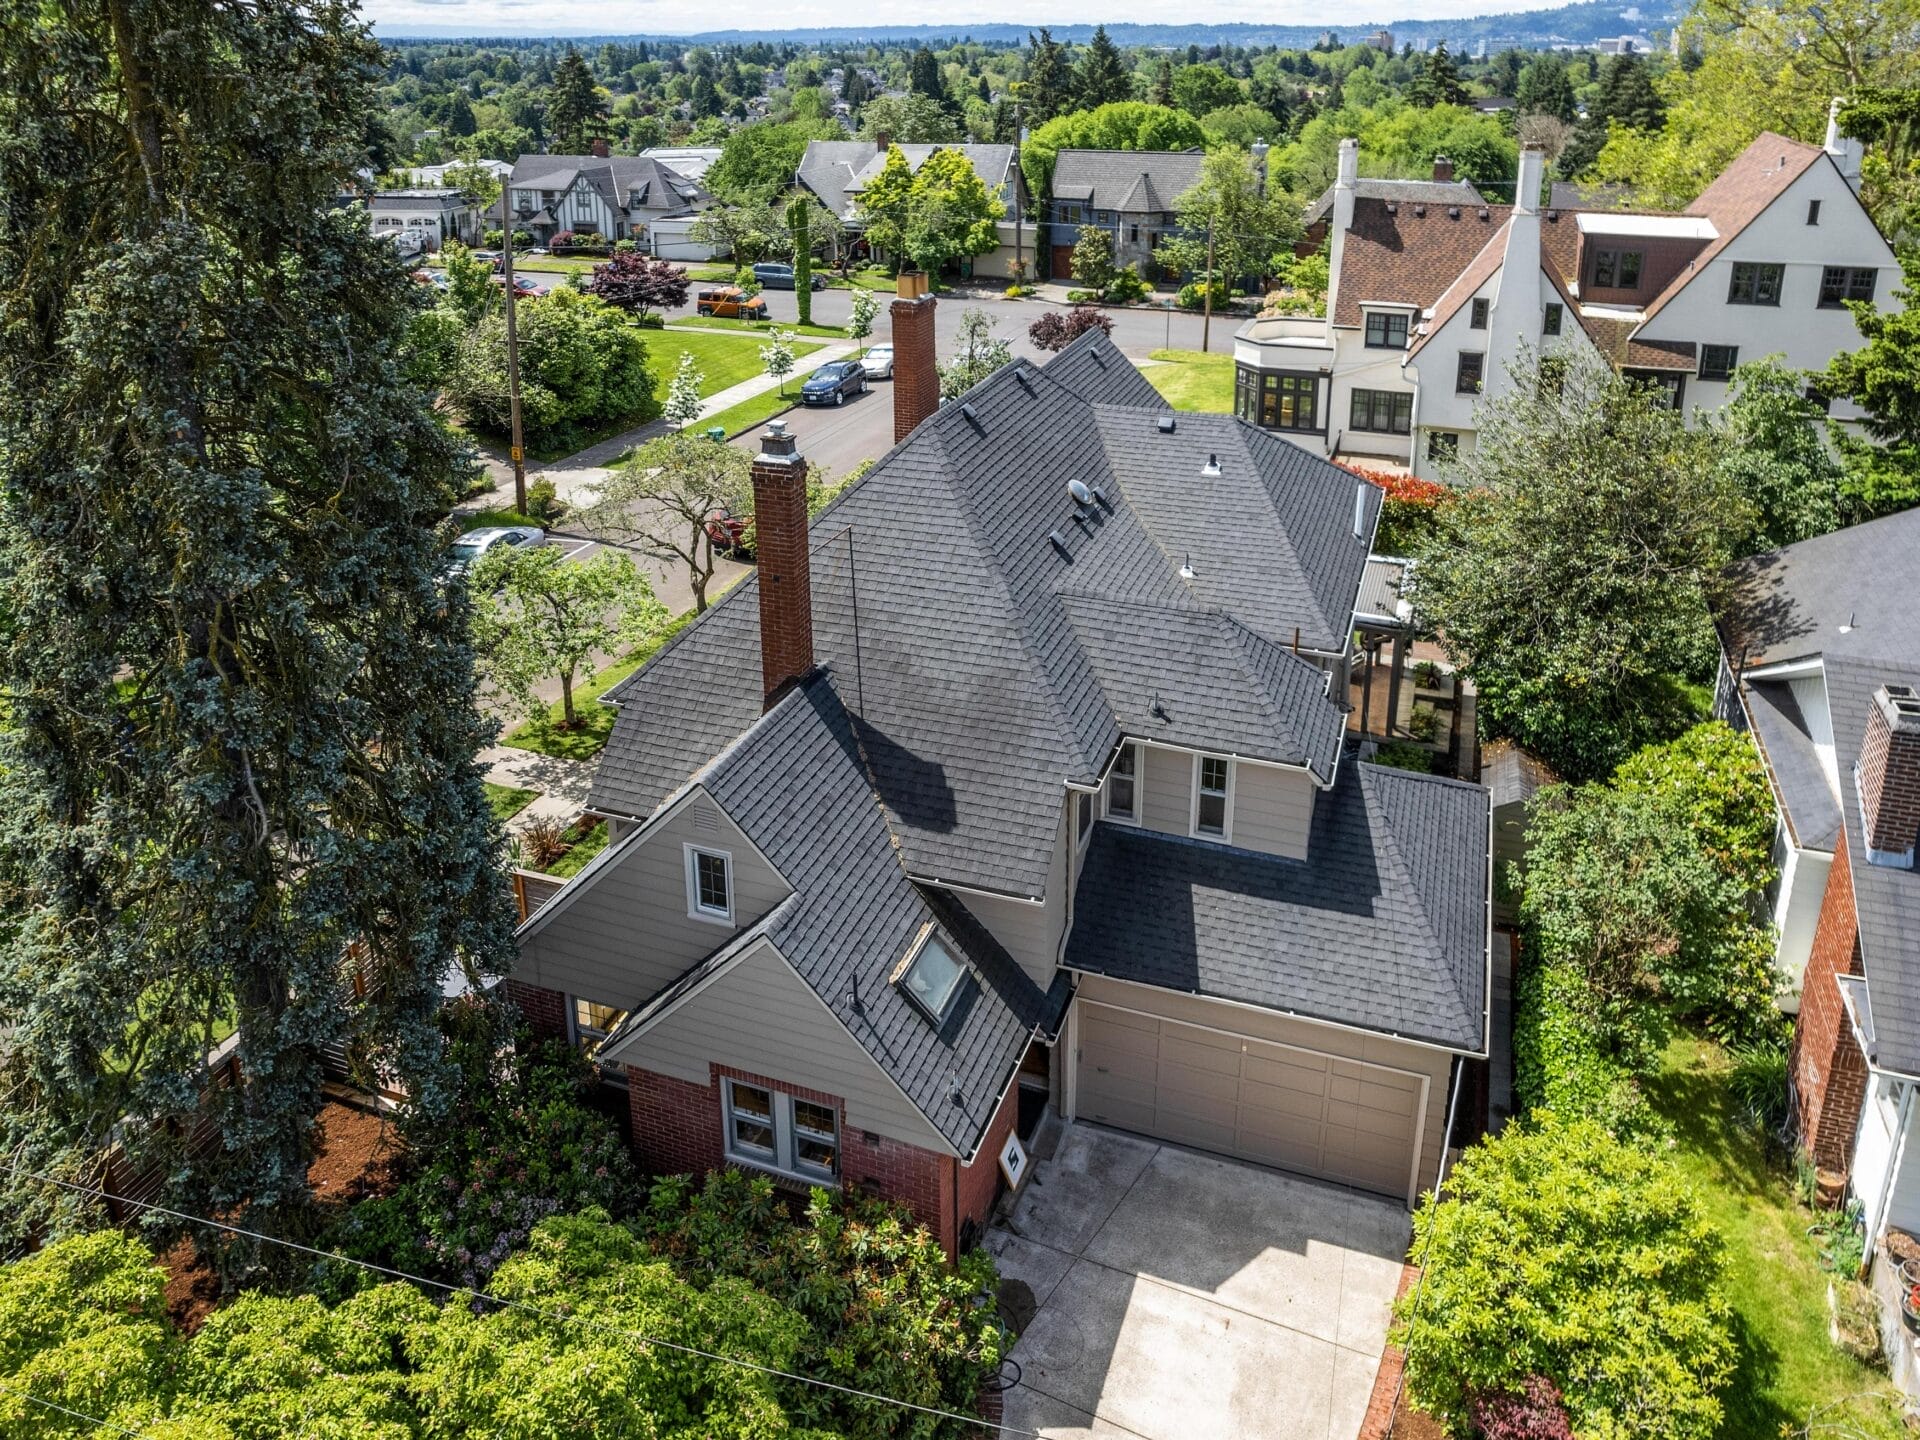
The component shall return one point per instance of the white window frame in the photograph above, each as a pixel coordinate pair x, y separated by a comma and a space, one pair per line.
1139, 753
695, 910
1226, 816
578, 1033
786, 1134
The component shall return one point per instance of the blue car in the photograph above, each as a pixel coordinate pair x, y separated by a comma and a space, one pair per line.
833, 382
775, 275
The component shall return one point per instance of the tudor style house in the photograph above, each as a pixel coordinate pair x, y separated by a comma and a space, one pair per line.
615, 196
1012, 783
1821, 662
1430, 302
834, 172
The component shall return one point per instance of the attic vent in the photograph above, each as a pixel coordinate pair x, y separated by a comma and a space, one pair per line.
1165, 424
1453, 212
1100, 495
1483, 212
1082, 496
969, 412
1419, 212
705, 821
1058, 541
1211, 470
1393, 207
1905, 700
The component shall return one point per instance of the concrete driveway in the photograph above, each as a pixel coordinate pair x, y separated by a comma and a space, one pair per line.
1185, 1297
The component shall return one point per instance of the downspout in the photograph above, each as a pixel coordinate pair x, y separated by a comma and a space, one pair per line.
1886, 1181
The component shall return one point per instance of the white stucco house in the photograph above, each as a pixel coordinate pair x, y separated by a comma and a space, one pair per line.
1431, 300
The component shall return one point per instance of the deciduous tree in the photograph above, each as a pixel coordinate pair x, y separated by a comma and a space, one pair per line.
1883, 378
977, 356
684, 393
661, 498
581, 365
639, 284
1058, 329
1250, 222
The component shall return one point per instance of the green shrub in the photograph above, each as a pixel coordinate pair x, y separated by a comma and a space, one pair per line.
1424, 723
1571, 1059
1126, 287
652, 320
883, 1309
1560, 1251
1759, 1082
1082, 297
1192, 296
1402, 756
1711, 782
543, 501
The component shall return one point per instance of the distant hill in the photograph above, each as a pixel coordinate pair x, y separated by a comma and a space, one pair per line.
1569, 24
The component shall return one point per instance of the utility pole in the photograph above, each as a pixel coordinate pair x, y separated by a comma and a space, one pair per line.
518, 449
1206, 312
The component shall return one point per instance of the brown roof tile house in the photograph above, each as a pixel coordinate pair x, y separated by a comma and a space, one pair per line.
1009, 784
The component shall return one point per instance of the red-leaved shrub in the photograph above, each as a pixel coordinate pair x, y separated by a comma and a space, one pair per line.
1534, 1414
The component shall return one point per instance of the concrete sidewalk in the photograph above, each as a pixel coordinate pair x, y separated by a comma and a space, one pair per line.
563, 784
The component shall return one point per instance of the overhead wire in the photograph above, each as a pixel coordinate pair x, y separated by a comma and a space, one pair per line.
526, 1307
68, 1410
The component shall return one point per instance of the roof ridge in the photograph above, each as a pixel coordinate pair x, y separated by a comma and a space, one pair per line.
1386, 845
1246, 429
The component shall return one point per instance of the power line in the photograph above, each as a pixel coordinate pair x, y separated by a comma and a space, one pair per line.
70, 1413
521, 1305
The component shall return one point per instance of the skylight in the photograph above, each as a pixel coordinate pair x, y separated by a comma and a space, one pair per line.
931, 978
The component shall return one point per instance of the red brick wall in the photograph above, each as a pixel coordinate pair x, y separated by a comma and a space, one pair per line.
786, 590
1829, 1072
545, 1011
677, 1130
916, 383
980, 1182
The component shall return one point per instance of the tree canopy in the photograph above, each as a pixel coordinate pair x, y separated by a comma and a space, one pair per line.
1123, 125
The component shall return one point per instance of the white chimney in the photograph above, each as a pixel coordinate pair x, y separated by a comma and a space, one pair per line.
1516, 322
1342, 219
1526, 190
1846, 152
1360, 510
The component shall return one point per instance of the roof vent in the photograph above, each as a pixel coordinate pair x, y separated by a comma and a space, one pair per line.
1058, 541
1453, 212
1165, 424
1186, 567
1360, 510
970, 413
1393, 207
1081, 494
1101, 496
1419, 212
1483, 212
1211, 470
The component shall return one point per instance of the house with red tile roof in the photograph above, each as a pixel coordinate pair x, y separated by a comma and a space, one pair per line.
1431, 302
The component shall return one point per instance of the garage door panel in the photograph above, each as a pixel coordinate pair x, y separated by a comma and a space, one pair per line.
1254, 1099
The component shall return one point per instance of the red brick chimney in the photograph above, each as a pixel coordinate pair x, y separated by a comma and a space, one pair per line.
1889, 776
600, 148
1442, 168
786, 588
882, 141
916, 383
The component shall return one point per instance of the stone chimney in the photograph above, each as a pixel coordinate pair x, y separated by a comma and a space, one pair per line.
601, 150
1443, 169
1889, 776
1345, 179
916, 383
785, 582
1846, 152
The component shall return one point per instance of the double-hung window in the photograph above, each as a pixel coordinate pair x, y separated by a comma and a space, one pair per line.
1841, 283
1385, 412
591, 1025
1212, 796
709, 885
1717, 362
1386, 330
1755, 283
1123, 786
776, 1131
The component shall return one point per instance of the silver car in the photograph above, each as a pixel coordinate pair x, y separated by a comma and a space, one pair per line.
471, 547
878, 362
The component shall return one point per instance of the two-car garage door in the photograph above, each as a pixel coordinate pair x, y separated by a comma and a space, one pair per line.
1253, 1099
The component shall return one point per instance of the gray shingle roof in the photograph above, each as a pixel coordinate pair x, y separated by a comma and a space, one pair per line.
976, 696
797, 787
1791, 603
1800, 780
1131, 181
837, 170
618, 179
1383, 926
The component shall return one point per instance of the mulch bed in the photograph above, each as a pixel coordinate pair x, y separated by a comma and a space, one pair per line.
1408, 1423
354, 1161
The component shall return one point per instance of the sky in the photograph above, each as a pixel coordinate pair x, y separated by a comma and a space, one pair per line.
669, 17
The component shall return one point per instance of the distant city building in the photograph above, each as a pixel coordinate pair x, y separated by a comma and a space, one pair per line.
1382, 41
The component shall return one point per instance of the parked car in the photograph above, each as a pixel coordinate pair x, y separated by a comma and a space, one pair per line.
728, 533
833, 382
521, 284
730, 302
878, 362
471, 547
778, 275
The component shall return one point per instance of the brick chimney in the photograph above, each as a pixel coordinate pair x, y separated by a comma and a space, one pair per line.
882, 141
1889, 776
600, 148
785, 582
916, 383
1442, 169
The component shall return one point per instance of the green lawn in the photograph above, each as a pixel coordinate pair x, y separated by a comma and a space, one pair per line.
482, 519
584, 849
507, 801
594, 721
756, 410
1193, 381
724, 359
756, 327
1788, 1366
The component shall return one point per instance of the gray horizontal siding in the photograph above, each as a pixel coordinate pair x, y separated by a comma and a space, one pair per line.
1167, 792
1031, 933
628, 936
762, 1018
1272, 810
1436, 1065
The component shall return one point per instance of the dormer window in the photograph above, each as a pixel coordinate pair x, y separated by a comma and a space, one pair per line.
930, 977
1386, 330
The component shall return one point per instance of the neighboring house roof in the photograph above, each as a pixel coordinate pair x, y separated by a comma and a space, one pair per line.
1430, 192
1409, 252
692, 161
1380, 596
836, 171
623, 181
1787, 745
1849, 592
796, 785
970, 740
420, 199
1128, 181
1383, 926
1569, 195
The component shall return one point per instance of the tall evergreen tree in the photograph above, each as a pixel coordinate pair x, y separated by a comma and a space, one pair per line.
237, 765
1436, 80
574, 104
460, 119
1627, 96
1162, 91
924, 78
1545, 89
1101, 77
1049, 84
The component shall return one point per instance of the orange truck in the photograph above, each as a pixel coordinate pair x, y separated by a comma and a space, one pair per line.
730, 302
